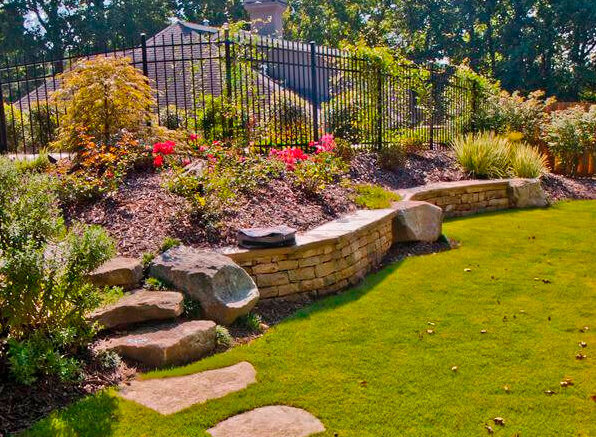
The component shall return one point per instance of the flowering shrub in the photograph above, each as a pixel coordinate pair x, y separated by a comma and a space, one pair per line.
570, 134
161, 150
290, 156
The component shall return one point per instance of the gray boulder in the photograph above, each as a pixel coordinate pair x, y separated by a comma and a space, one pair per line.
417, 221
224, 290
142, 306
118, 272
166, 344
527, 193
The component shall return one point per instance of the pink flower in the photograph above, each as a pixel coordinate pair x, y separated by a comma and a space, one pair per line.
185, 162
202, 148
193, 137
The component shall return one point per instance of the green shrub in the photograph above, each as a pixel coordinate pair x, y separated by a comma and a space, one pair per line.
155, 284
223, 337
44, 295
15, 127
392, 155
570, 134
527, 161
504, 113
147, 259
289, 119
39, 164
43, 123
374, 196
483, 155
347, 118
192, 308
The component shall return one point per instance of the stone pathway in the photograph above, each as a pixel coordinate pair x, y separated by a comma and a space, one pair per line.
272, 421
170, 395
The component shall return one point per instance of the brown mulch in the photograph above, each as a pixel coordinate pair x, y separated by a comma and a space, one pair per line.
21, 406
142, 213
559, 187
425, 167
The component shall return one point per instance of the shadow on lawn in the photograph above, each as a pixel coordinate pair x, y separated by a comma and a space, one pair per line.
100, 410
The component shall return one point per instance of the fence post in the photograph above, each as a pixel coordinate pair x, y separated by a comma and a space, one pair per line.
314, 90
474, 106
379, 109
144, 54
228, 128
432, 107
3, 133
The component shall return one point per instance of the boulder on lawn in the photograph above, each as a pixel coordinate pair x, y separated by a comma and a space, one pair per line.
223, 288
141, 306
527, 193
166, 344
417, 221
119, 272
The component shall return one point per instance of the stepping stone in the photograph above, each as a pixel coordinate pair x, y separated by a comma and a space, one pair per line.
273, 421
223, 288
118, 272
170, 395
141, 306
166, 344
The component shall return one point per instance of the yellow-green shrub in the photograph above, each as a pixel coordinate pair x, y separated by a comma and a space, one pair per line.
102, 96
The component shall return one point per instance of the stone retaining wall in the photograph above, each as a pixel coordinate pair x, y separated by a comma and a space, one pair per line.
325, 260
470, 197
340, 253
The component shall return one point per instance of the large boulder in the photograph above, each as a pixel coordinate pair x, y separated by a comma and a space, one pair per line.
141, 306
224, 290
165, 344
417, 221
526, 193
118, 272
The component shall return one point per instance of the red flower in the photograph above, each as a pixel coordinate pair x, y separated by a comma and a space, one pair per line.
158, 161
202, 148
109, 174
193, 137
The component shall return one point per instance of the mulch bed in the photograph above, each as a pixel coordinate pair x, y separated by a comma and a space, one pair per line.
21, 406
142, 213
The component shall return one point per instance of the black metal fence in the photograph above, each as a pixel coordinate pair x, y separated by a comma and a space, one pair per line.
261, 92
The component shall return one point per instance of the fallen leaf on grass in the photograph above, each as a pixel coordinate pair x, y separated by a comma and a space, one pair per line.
567, 382
550, 392
584, 329
580, 356
583, 344
499, 421
489, 429
454, 369
430, 331
507, 389
593, 397
483, 331
467, 270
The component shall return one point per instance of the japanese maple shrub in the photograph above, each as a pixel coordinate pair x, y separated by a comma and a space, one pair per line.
43, 292
101, 97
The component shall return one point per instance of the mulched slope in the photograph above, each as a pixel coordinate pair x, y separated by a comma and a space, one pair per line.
21, 406
142, 213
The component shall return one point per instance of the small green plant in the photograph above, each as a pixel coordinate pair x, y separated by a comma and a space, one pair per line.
374, 196
147, 259
250, 321
109, 360
484, 155
192, 308
155, 284
223, 337
169, 243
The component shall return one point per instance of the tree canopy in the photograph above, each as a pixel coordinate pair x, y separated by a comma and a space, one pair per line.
526, 44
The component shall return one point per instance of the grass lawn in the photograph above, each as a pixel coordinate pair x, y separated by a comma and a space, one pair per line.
364, 363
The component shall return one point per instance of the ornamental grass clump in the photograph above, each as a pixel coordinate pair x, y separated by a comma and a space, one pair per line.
527, 161
44, 294
484, 155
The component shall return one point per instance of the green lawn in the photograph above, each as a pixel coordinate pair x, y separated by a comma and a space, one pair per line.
364, 364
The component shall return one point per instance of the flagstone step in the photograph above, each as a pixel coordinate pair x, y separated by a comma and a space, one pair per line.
138, 307
272, 421
170, 395
166, 344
